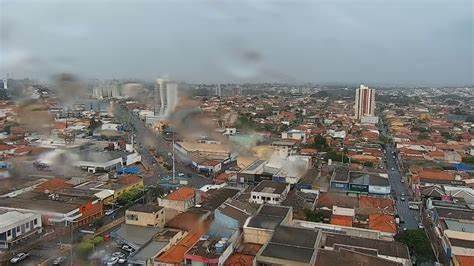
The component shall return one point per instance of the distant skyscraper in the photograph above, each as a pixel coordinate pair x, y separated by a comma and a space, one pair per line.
364, 102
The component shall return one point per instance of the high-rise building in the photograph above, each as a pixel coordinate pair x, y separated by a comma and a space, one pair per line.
364, 102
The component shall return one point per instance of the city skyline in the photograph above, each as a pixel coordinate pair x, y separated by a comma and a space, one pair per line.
339, 42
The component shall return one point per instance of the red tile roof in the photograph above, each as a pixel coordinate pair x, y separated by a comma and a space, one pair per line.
382, 222
238, 259
373, 202
435, 174
182, 194
54, 184
176, 253
465, 260
341, 220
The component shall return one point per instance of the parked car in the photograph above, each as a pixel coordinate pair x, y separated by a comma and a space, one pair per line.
109, 212
180, 174
420, 225
112, 261
19, 257
59, 260
402, 198
127, 248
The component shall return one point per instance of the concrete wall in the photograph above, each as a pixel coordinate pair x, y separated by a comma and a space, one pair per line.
145, 219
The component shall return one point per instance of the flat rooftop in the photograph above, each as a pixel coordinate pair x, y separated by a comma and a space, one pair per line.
269, 217
148, 208
7, 218
369, 246
203, 147
292, 243
267, 186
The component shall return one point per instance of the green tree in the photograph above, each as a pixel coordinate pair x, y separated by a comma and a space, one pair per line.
336, 156
314, 216
418, 244
320, 143
128, 197
468, 159
97, 240
245, 122
84, 248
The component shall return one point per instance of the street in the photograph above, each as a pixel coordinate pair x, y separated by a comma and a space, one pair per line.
408, 216
146, 139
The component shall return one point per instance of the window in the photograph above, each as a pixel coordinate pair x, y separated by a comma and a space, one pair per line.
36, 221
254, 196
27, 226
132, 217
17, 229
9, 233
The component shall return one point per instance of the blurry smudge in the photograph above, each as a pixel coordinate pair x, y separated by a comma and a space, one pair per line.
68, 89
251, 56
34, 116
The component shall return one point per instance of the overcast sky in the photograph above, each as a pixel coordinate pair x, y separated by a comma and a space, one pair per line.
414, 42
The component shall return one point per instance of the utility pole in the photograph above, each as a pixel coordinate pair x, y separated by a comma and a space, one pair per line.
174, 169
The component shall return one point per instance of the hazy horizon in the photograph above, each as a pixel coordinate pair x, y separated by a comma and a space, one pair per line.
412, 43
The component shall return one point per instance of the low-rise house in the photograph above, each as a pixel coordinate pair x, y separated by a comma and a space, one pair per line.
145, 215
159, 244
179, 201
209, 251
269, 192
259, 228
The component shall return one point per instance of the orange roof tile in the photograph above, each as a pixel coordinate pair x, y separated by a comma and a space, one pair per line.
53, 185
238, 259
465, 260
182, 194
372, 202
382, 222
341, 220
435, 174
176, 253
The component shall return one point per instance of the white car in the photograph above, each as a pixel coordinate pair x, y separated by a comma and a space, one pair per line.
180, 174
109, 212
127, 248
112, 261
19, 257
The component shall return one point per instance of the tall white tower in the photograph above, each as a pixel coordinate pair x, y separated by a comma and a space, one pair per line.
5, 83
364, 102
160, 89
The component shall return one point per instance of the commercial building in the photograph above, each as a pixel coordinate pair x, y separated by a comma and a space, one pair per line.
359, 182
290, 245
17, 227
364, 102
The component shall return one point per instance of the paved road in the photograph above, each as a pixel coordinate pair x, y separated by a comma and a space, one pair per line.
146, 139
410, 217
